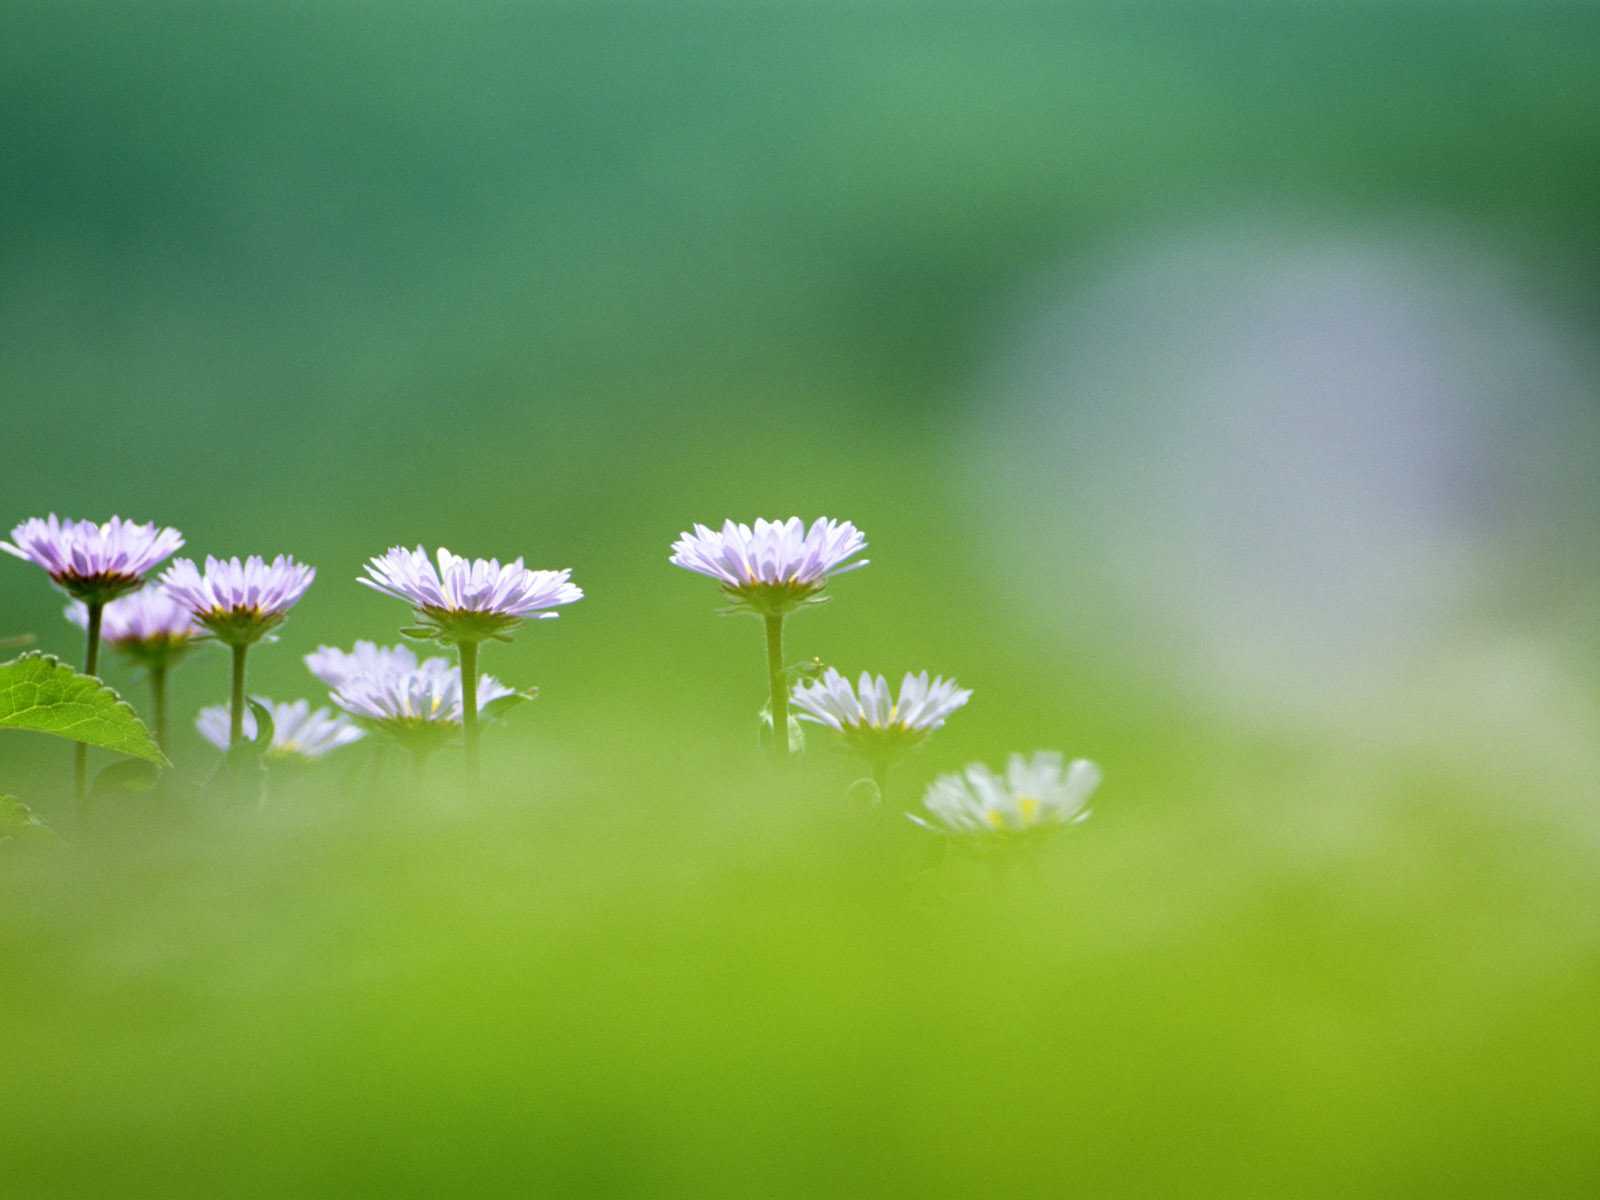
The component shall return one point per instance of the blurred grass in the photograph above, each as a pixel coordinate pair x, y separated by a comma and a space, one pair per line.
559, 280
689, 982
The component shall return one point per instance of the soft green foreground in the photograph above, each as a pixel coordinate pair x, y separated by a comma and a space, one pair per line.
673, 978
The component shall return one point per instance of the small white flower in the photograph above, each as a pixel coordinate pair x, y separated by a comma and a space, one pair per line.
870, 717
774, 566
428, 695
1035, 793
298, 730
469, 599
365, 659
921, 706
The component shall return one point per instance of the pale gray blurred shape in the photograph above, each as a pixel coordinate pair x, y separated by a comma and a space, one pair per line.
1289, 464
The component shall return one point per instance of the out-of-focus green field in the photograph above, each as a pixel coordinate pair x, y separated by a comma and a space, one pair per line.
560, 280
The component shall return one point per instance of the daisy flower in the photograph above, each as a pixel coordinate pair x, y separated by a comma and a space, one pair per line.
149, 625
422, 707
334, 666
93, 563
468, 600
774, 567
870, 713
298, 730
462, 602
1040, 792
153, 630
771, 570
873, 721
239, 603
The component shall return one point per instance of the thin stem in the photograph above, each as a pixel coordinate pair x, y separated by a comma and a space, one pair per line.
469, 704
236, 712
158, 703
91, 663
780, 688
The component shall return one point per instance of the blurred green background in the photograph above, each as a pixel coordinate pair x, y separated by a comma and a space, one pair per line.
1215, 385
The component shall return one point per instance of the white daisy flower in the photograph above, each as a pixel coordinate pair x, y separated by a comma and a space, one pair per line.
774, 566
870, 717
1035, 793
298, 730
429, 695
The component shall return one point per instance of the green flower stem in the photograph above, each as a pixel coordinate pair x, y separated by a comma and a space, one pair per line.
779, 686
158, 703
469, 704
236, 711
91, 664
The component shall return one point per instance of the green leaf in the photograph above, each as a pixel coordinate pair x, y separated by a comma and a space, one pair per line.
249, 751
41, 693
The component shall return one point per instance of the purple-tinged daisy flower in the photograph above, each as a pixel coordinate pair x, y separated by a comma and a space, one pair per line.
468, 600
153, 630
463, 602
298, 730
423, 707
1041, 792
365, 659
775, 566
770, 571
93, 562
149, 626
239, 602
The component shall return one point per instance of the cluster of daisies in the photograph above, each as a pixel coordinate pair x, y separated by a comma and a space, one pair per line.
108, 571
770, 570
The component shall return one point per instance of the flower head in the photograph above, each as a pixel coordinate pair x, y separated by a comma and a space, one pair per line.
239, 602
93, 562
416, 705
149, 626
1035, 793
872, 720
335, 667
468, 600
774, 567
298, 730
